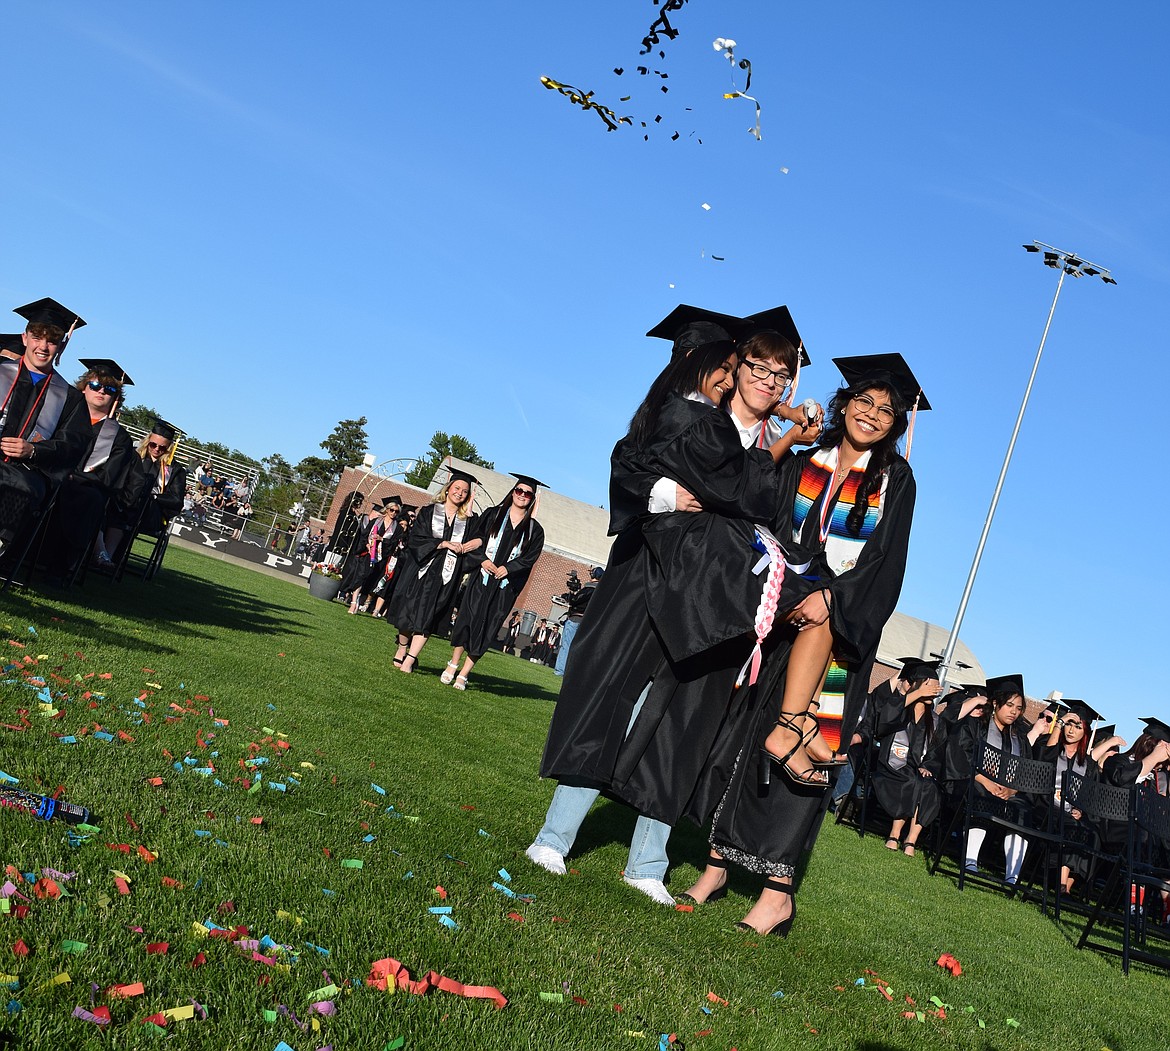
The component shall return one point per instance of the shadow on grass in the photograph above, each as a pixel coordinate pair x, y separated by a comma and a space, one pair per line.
512, 688
174, 610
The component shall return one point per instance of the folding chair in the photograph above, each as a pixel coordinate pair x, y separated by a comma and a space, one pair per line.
28, 541
1027, 777
1136, 866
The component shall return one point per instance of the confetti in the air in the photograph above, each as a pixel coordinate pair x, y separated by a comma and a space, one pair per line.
725, 46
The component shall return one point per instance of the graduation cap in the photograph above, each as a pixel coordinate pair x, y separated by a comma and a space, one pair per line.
11, 345
917, 668
461, 476
163, 429
1086, 713
50, 312
107, 367
999, 681
1103, 733
534, 482
779, 320
689, 327
1156, 729
390, 501
884, 368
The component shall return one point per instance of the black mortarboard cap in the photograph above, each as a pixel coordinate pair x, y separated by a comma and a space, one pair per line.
536, 483
49, 312
1002, 680
107, 367
390, 501
917, 668
689, 327
778, 319
11, 344
1080, 708
461, 476
887, 368
1157, 729
163, 429
1103, 733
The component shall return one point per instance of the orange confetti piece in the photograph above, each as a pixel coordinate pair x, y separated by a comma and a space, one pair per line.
148, 856
105, 675
684, 908
46, 888
717, 999
516, 916
122, 885
257, 821
441, 893
124, 992
167, 881
155, 782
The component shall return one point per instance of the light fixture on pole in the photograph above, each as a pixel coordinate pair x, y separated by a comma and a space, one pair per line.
1070, 265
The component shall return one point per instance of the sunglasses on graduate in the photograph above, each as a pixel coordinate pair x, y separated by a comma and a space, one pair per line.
528, 494
108, 388
158, 447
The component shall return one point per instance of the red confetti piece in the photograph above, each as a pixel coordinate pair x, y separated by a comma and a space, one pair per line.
684, 908
385, 971
257, 821
199, 960
324, 850
122, 885
168, 881
704, 1032
157, 948
226, 906
46, 888
885, 992
159, 1019
717, 999
579, 1000
123, 848
441, 893
105, 675
948, 963
147, 855
20, 949
516, 916
131, 822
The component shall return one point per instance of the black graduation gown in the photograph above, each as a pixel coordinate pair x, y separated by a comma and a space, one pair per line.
765, 820
904, 748
359, 565
393, 545
1078, 863
349, 527
161, 507
422, 602
483, 607
1121, 771
619, 648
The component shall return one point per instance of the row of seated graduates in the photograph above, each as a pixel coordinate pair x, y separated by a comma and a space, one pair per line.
66, 455
917, 761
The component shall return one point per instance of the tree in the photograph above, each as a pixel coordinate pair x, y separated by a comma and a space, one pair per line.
441, 446
346, 446
139, 416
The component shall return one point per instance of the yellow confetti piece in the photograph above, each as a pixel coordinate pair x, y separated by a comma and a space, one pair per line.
282, 915
118, 874
42, 656
308, 766
59, 979
155, 686
179, 1014
8, 979
199, 930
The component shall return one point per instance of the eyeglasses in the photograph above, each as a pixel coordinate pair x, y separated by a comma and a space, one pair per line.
108, 388
761, 371
158, 447
866, 404
528, 494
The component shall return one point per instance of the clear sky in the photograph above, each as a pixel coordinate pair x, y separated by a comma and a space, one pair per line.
280, 214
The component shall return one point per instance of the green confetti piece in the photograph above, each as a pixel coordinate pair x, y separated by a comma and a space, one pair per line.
86, 830
1013, 1023
352, 863
395, 1044
921, 1016
77, 948
937, 1002
982, 1024
553, 998
326, 992
270, 1016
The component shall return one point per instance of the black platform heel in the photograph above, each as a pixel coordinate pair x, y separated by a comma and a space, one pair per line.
782, 928
717, 894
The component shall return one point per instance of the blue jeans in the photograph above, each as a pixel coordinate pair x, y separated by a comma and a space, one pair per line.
567, 811
568, 630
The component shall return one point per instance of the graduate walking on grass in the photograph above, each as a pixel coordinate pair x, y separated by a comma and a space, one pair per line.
512, 542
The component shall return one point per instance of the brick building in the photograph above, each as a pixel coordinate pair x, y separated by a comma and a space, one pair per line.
574, 532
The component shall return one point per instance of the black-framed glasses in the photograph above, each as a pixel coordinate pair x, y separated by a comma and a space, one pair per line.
760, 371
528, 494
108, 388
158, 447
866, 404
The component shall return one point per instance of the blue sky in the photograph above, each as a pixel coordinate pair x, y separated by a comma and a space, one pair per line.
277, 215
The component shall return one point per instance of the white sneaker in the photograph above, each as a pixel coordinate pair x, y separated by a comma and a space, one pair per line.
547, 858
652, 888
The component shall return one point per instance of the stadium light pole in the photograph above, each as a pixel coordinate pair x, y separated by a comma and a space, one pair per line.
1069, 265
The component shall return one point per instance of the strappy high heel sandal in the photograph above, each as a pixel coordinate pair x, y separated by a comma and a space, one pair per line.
413, 661
810, 778
782, 928
835, 758
448, 675
719, 892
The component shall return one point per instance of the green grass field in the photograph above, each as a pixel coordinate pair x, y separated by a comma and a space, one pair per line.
587, 963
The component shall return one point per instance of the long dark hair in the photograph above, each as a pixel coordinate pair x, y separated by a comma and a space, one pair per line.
500, 512
882, 454
683, 375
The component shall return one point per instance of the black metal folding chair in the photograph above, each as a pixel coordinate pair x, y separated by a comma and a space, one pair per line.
1137, 865
27, 542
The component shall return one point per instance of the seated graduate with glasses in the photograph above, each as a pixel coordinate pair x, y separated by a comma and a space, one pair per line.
161, 498
108, 469
44, 426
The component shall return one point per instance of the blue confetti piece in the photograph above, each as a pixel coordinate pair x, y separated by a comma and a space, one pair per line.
778, 994
369, 839
318, 948
705, 1010
267, 943
440, 910
282, 1046
446, 921
141, 704
202, 832
506, 891
505, 875
178, 766
191, 761
378, 788
487, 835
663, 1042
32, 630
860, 981
260, 760
272, 707
203, 771
8, 779
101, 735
198, 884
13, 1007
328, 893
219, 784
221, 843
409, 875
68, 740
276, 786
